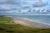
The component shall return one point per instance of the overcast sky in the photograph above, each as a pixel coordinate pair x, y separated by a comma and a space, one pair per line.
13, 6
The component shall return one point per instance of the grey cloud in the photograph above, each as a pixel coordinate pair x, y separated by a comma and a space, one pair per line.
40, 3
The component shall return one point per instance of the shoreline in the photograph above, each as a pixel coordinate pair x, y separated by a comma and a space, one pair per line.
30, 23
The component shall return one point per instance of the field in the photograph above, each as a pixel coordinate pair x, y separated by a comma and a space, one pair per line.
7, 25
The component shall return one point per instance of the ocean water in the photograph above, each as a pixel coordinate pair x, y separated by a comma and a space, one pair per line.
36, 18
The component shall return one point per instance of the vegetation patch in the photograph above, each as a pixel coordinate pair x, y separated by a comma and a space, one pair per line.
7, 26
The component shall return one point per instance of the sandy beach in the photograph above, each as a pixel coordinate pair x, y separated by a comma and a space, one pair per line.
30, 23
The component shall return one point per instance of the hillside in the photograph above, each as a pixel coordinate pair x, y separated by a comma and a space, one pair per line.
7, 25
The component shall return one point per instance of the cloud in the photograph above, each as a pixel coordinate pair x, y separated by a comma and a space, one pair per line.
40, 3
24, 5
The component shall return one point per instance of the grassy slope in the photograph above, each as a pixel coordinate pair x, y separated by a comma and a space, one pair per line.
7, 26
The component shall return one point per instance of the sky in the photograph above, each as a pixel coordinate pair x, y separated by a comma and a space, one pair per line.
14, 7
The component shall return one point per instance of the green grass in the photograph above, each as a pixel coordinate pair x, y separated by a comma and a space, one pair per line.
7, 26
